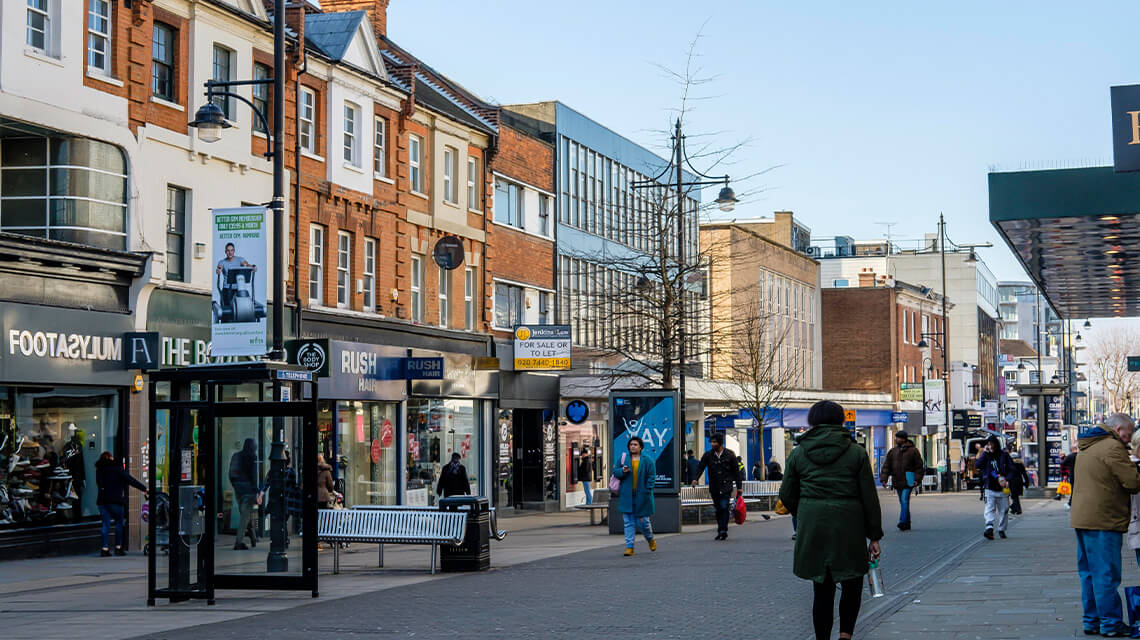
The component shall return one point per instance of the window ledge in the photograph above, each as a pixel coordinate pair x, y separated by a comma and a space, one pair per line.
418, 193
166, 103
383, 178
43, 56
98, 74
478, 211
258, 134
353, 168
312, 156
453, 205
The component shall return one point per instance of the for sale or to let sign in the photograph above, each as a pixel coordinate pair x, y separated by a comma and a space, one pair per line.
542, 347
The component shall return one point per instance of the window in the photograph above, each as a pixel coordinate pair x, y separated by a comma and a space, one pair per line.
508, 203
469, 299
221, 72
544, 215
351, 134
316, 264
308, 114
343, 270
905, 327
543, 307
508, 306
64, 188
444, 304
417, 288
369, 274
162, 62
474, 184
39, 25
99, 36
415, 160
380, 149
175, 233
261, 96
450, 169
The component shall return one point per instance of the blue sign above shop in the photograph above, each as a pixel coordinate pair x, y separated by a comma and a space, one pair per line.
423, 368
899, 416
577, 411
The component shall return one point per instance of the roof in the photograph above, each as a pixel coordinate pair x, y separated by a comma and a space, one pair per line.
331, 33
1017, 349
437, 91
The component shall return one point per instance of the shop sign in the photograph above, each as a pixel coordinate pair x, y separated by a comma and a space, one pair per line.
182, 352
460, 378
423, 368
577, 411
542, 347
312, 353
142, 349
359, 371
1126, 128
654, 416
54, 345
934, 402
849, 416
899, 416
910, 392
376, 451
238, 295
387, 434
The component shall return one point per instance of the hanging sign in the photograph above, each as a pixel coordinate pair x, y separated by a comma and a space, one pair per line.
542, 347
934, 402
238, 293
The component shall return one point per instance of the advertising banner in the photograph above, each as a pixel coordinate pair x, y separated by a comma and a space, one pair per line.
654, 417
934, 402
542, 347
910, 392
238, 294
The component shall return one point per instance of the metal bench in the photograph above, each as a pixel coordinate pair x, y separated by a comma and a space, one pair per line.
391, 525
601, 503
700, 497
765, 491
496, 532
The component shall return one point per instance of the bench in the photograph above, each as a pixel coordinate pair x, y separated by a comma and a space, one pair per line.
390, 525
700, 497
601, 503
496, 533
762, 491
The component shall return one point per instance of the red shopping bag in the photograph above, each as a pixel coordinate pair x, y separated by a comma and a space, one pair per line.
739, 510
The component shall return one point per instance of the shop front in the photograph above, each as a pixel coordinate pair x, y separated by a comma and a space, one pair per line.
529, 439
64, 400
582, 430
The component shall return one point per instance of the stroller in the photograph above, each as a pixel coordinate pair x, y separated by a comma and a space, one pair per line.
162, 523
237, 297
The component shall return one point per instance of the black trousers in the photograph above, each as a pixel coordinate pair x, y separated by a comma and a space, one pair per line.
823, 608
723, 504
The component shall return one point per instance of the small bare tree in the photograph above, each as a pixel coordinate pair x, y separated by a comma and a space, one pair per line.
1108, 357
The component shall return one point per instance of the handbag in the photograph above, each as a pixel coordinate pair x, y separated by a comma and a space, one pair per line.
615, 482
780, 509
1065, 488
740, 510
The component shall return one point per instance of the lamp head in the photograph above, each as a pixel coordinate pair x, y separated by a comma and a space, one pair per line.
209, 121
727, 198
922, 344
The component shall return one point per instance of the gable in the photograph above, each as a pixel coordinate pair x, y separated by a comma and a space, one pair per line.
363, 52
252, 7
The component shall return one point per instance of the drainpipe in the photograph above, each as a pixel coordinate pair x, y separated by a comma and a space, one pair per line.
297, 187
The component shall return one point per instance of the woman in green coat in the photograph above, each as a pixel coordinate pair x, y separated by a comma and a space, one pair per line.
828, 486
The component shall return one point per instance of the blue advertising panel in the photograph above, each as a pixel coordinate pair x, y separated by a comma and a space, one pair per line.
653, 416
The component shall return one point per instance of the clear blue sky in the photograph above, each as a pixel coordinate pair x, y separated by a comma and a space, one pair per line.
887, 114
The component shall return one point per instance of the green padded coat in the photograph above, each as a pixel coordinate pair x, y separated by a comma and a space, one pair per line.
829, 487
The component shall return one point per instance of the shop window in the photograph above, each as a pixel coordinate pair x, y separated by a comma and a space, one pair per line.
365, 453
49, 442
438, 428
70, 189
163, 43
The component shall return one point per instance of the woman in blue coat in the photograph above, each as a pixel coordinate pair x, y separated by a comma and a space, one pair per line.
635, 500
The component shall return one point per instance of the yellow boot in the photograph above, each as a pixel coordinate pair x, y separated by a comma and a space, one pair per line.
628, 551
653, 544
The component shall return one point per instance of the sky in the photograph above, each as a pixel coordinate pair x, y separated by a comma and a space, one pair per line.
852, 114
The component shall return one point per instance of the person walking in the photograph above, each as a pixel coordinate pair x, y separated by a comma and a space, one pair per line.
996, 469
829, 487
691, 466
586, 473
638, 476
758, 470
725, 470
1100, 514
453, 479
904, 467
774, 470
243, 479
1068, 472
112, 481
1017, 483
326, 488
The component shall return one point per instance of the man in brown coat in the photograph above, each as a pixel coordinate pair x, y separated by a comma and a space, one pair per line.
904, 464
1101, 511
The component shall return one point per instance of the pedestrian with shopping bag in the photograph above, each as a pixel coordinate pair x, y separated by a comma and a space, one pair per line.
637, 475
725, 470
829, 487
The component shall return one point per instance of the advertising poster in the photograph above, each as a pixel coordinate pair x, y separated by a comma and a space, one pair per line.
653, 416
542, 347
934, 402
238, 326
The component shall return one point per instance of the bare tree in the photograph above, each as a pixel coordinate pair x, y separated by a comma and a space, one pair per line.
1108, 357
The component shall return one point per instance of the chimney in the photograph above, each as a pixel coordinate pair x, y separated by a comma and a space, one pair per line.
867, 277
377, 11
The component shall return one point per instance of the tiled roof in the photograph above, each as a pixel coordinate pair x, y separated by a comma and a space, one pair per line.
332, 32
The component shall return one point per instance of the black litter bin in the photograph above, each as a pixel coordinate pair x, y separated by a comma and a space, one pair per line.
474, 553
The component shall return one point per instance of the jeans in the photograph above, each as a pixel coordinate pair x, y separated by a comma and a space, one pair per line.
1015, 504
589, 494
1098, 563
113, 512
997, 510
904, 505
630, 523
723, 506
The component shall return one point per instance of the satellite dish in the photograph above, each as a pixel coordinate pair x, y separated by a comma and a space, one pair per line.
448, 252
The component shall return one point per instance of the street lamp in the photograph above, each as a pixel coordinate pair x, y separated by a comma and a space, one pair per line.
210, 121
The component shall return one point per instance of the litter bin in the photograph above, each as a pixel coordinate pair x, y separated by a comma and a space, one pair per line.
474, 553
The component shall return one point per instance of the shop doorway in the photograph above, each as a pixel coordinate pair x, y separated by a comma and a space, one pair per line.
535, 443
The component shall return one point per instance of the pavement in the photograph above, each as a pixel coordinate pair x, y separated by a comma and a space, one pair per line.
557, 577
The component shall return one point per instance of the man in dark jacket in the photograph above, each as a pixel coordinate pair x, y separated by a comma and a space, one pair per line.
996, 469
586, 473
725, 469
1017, 483
112, 480
904, 467
691, 466
453, 479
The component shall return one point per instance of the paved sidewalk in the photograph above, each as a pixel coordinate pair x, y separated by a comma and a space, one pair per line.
1022, 587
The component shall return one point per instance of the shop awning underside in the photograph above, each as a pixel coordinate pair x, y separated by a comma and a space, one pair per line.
1077, 233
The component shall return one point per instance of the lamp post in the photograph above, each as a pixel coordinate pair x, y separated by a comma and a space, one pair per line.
726, 200
210, 121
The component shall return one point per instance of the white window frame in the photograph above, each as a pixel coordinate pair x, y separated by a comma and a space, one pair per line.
94, 35
450, 169
46, 14
417, 288
544, 214
469, 298
905, 327
369, 274
316, 263
308, 131
351, 134
415, 163
444, 298
380, 149
474, 202
343, 270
